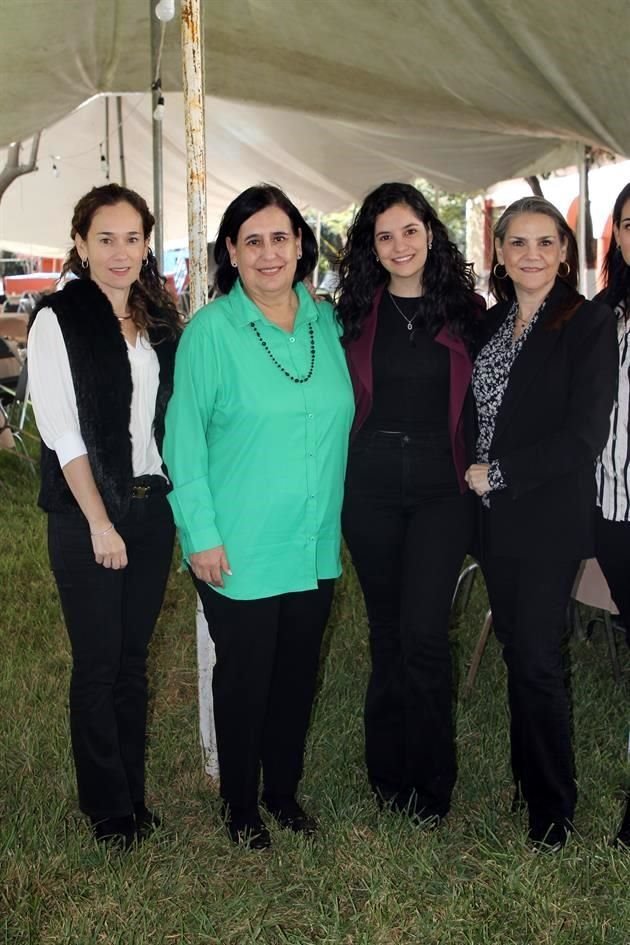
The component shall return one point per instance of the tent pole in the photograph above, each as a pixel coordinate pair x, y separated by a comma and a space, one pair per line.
107, 138
195, 120
121, 146
318, 237
581, 234
158, 170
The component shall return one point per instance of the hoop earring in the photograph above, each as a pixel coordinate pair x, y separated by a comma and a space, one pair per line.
145, 261
563, 275
234, 264
85, 264
299, 255
496, 274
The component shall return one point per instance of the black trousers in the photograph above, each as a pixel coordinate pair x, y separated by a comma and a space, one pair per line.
110, 616
529, 601
612, 548
408, 529
267, 659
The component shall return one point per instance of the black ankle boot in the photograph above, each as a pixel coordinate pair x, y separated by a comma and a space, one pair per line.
146, 820
118, 833
289, 814
246, 828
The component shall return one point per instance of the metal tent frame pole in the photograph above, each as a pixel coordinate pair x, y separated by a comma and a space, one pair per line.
158, 155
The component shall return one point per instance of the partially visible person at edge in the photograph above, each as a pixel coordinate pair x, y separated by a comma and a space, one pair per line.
409, 313
543, 383
612, 529
101, 355
256, 444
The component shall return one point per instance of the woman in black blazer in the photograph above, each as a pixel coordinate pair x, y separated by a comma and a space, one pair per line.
543, 384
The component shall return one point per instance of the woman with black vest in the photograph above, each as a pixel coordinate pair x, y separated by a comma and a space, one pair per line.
101, 355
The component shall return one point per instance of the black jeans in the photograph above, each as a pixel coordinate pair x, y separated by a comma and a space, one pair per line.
408, 529
612, 548
529, 601
263, 685
110, 616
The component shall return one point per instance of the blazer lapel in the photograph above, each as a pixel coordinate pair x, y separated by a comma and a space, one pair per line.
531, 359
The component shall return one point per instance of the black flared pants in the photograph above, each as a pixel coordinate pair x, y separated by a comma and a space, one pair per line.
529, 601
408, 529
110, 616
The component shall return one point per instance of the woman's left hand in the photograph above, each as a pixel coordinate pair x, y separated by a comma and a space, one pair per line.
477, 478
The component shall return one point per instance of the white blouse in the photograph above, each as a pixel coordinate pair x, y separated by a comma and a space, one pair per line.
55, 405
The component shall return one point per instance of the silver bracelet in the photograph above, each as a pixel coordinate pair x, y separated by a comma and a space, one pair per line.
100, 534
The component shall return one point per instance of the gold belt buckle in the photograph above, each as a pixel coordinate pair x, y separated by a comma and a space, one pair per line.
140, 492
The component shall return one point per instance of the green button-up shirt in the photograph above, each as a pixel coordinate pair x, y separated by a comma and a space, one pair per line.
257, 461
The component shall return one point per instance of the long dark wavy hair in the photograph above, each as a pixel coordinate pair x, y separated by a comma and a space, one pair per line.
615, 270
502, 287
448, 281
150, 303
243, 207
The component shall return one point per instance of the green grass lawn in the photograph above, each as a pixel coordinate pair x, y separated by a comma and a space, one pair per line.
367, 878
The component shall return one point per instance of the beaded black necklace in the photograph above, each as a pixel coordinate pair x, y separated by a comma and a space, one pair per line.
296, 380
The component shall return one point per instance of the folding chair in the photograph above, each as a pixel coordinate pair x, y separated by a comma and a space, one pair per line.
590, 588
13, 412
10, 369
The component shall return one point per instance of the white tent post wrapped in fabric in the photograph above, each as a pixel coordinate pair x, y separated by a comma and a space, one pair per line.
194, 112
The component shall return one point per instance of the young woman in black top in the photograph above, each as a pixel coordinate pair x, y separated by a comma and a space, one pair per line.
409, 313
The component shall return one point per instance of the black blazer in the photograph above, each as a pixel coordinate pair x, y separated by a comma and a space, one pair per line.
551, 425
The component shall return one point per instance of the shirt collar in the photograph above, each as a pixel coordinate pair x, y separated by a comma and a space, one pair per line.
244, 311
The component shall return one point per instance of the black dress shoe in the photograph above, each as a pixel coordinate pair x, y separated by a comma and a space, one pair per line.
422, 813
550, 839
247, 829
117, 833
289, 814
146, 820
391, 798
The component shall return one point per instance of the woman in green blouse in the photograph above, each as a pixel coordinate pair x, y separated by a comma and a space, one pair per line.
256, 440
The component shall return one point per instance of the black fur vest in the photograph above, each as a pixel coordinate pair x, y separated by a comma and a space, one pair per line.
101, 375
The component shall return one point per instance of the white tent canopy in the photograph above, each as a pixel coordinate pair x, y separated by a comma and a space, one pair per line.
325, 98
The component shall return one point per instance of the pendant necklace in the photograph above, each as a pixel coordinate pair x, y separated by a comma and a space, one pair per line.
408, 321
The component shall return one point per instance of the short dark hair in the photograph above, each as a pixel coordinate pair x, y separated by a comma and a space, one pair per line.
615, 271
503, 288
243, 207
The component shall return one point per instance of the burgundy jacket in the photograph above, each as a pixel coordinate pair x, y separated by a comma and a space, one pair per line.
359, 355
